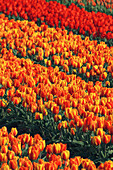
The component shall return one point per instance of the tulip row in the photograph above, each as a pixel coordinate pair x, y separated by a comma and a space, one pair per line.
12, 154
90, 4
22, 72
81, 102
96, 24
105, 3
54, 47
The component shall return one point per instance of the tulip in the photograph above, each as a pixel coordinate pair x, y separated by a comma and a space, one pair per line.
25, 162
5, 166
2, 92
10, 154
49, 63
33, 107
25, 139
91, 166
49, 148
14, 131
80, 123
57, 118
31, 141
55, 109
50, 166
75, 161
101, 166
104, 75
3, 157
88, 74
106, 139
56, 148
83, 70
100, 122
92, 126
15, 149
66, 68
73, 130
74, 167
108, 164
109, 127
13, 164
64, 124
65, 155
38, 116
100, 132
16, 100
33, 154
3, 103
96, 140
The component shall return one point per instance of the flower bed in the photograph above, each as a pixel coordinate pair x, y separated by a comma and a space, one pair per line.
55, 85
36, 156
55, 14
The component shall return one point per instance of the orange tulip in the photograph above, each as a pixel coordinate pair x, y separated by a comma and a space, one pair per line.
10, 154
16, 100
65, 155
76, 160
75, 167
13, 164
14, 131
3, 157
25, 139
88, 66
55, 109
33, 154
50, 166
49, 63
56, 148
57, 118
49, 148
100, 122
83, 70
96, 140
64, 124
73, 130
88, 74
31, 141
38, 116
65, 68
5, 166
91, 166
106, 139
3, 103
100, 132
92, 125
4, 148
2, 92
33, 107
80, 123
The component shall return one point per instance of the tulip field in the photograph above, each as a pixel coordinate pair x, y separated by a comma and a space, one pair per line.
56, 85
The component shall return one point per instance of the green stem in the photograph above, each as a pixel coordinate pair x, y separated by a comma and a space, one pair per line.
105, 150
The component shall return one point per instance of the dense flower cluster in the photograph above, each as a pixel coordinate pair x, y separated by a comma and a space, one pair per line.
98, 24
44, 88
58, 156
54, 46
105, 3
80, 101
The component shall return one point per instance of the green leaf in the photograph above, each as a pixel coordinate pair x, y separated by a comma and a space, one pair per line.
78, 142
110, 152
102, 154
